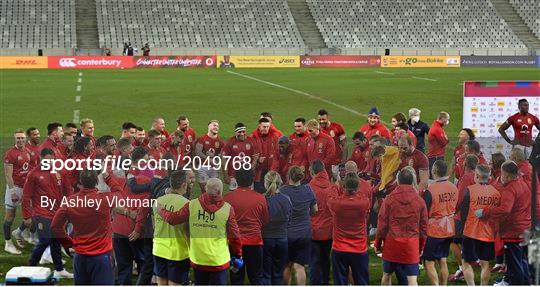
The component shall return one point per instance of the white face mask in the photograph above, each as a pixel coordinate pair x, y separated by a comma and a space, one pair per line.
415, 119
447, 122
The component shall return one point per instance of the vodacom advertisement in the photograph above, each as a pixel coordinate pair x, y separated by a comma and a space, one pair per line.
90, 62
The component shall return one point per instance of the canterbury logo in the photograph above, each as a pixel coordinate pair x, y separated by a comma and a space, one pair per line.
67, 62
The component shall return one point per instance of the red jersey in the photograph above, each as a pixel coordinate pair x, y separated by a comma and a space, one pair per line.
336, 132
321, 147
458, 151
416, 160
295, 156
251, 212
21, 161
438, 140
210, 144
321, 222
460, 164
52, 145
34, 153
189, 139
155, 153
42, 183
267, 145
523, 127
92, 230
235, 148
395, 137
378, 129
177, 151
350, 215
360, 156
525, 171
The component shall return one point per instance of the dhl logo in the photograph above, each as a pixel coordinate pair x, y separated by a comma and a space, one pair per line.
26, 62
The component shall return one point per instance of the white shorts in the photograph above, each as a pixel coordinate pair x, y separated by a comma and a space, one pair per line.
8, 200
207, 173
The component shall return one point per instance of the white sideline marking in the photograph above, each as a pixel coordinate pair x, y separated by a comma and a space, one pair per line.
425, 79
79, 88
77, 99
80, 74
76, 114
384, 73
300, 93
79, 80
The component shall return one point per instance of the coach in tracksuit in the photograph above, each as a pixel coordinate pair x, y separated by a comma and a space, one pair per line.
92, 231
514, 213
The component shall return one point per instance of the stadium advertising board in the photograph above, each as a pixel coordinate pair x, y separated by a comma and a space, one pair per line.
498, 61
420, 61
90, 62
18, 62
175, 62
340, 61
487, 105
258, 61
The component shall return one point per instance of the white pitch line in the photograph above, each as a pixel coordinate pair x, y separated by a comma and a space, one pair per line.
79, 88
77, 99
76, 114
300, 93
425, 79
384, 73
79, 80
80, 74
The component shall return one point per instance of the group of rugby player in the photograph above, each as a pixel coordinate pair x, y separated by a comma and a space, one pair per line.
304, 202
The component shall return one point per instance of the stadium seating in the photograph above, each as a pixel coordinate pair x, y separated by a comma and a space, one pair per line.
529, 10
197, 23
412, 24
39, 24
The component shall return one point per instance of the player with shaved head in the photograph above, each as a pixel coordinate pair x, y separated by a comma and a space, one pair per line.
208, 146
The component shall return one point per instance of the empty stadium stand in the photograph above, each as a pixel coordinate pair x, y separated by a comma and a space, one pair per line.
197, 23
412, 24
38, 24
529, 11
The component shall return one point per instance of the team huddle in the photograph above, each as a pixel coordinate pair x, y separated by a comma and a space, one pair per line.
297, 203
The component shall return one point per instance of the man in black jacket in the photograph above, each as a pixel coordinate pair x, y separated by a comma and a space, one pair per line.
418, 128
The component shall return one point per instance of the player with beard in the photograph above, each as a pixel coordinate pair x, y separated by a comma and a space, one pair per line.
410, 156
140, 138
299, 139
189, 134
33, 144
174, 146
129, 130
267, 145
437, 139
522, 123
53, 141
273, 130
374, 125
105, 145
208, 146
320, 146
360, 153
238, 146
158, 124
337, 133
464, 135
471, 147
87, 129
67, 145
17, 164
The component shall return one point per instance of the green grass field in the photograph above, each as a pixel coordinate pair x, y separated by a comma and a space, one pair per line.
111, 97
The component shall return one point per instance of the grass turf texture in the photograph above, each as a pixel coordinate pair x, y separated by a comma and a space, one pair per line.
111, 97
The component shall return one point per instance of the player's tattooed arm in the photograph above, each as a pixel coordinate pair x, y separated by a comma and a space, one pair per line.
199, 150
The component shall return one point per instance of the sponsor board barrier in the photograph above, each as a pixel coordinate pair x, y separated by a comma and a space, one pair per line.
420, 61
90, 62
21, 62
340, 61
258, 61
175, 62
499, 61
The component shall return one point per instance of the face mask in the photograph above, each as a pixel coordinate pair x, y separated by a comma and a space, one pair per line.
415, 119
447, 122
